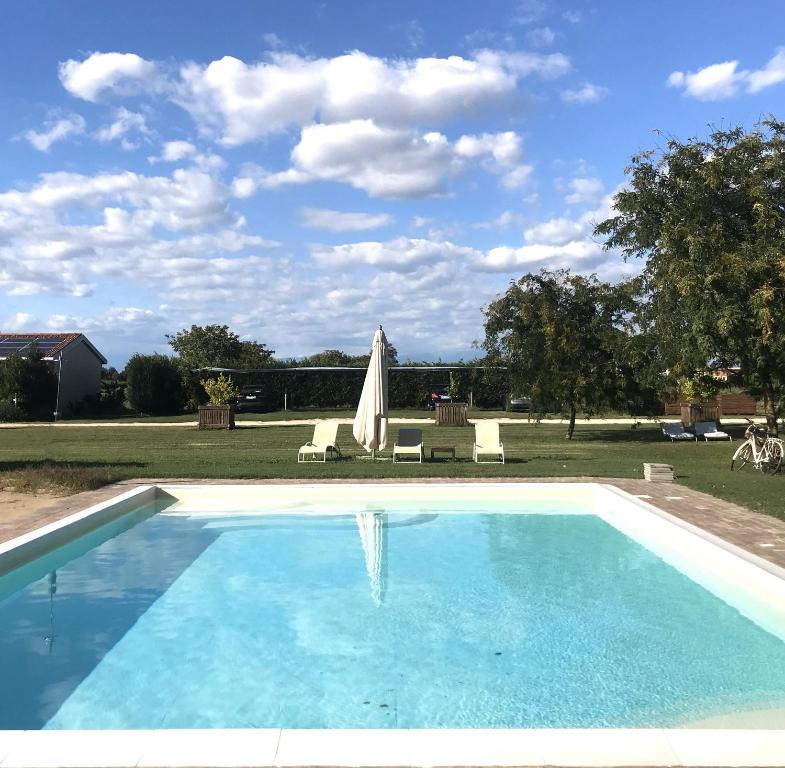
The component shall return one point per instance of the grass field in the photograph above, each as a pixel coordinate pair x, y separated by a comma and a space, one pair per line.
76, 457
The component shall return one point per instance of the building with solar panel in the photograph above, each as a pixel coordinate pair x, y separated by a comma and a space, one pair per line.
76, 363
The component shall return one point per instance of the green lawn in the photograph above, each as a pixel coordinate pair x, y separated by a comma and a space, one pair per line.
532, 451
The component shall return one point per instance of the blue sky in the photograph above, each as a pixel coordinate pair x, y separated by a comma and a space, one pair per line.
303, 171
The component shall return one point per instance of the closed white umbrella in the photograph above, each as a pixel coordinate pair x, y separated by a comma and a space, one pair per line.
370, 423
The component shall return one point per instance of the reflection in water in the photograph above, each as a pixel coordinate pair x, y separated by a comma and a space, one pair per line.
371, 526
49, 639
102, 583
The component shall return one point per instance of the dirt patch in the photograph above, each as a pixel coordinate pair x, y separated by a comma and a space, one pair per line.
17, 506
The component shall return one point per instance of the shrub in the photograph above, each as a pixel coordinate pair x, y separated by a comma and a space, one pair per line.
220, 391
153, 385
31, 380
10, 412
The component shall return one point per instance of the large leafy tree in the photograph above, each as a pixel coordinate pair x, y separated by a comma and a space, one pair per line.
562, 337
216, 346
213, 346
708, 216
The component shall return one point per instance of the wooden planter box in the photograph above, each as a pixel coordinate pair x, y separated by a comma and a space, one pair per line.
452, 414
216, 417
691, 413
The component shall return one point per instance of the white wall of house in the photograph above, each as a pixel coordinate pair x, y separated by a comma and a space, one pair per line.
80, 375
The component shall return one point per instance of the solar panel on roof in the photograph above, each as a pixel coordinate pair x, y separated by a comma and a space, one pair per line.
22, 344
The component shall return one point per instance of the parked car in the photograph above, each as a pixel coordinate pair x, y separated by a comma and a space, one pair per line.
438, 395
249, 398
521, 403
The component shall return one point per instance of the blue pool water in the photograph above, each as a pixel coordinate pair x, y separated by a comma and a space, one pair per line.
402, 620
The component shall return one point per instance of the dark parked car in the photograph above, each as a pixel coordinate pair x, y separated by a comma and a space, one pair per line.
522, 404
438, 395
250, 398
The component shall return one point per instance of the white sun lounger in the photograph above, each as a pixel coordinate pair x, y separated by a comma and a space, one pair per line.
486, 442
323, 442
675, 431
708, 431
409, 443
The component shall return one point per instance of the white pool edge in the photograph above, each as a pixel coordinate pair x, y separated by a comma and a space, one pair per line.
30, 545
290, 748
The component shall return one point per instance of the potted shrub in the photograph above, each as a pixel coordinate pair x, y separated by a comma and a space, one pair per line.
699, 400
219, 412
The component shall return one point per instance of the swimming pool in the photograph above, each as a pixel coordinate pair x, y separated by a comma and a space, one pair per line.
461, 606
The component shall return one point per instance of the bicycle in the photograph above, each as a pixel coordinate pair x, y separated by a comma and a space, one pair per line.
760, 449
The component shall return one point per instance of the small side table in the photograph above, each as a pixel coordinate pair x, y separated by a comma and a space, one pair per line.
443, 449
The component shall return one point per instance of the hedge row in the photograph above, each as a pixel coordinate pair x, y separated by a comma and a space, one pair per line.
406, 389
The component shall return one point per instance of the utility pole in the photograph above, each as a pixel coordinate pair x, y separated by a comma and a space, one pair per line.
59, 376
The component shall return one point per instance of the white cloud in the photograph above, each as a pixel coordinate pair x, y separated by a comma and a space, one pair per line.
113, 320
588, 93
504, 147
573, 17
517, 177
571, 254
55, 130
562, 242
558, 231
529, 11
504, 220
385, 161
243, 102
71, 230
179, 150
19, 321
717, 81
272, 40
771, 74
403, 254
100, 72
188, 199
583, 190
724, 80
124, 122
503, 151
540, 37
556, 243
343, 221
174, 151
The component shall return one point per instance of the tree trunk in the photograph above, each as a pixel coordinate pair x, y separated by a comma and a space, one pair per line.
571, 425
770, 411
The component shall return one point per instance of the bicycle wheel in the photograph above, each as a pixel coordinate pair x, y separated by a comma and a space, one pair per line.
773, 461
742, 456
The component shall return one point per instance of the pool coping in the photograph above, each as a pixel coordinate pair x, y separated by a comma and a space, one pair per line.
385, 748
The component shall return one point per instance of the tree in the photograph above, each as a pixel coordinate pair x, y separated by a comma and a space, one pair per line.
213, 346
561, 336
153, 384
709, 218
29, 383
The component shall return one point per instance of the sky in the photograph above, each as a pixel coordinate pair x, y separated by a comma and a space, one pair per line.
305, 171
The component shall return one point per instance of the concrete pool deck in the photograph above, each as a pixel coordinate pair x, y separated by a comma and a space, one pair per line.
715, 745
